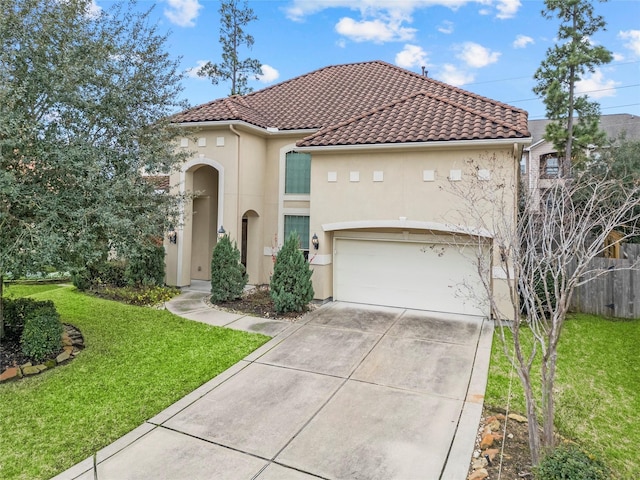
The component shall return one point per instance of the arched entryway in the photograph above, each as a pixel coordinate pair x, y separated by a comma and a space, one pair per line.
250, 245
204, 217
202, 181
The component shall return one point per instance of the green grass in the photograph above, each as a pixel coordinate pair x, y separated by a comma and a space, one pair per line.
15, 290
137, 361
598, 389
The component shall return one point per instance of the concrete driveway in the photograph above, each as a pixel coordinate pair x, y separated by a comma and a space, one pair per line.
348, 392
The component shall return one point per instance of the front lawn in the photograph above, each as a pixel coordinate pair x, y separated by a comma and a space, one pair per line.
137, 361
598, 389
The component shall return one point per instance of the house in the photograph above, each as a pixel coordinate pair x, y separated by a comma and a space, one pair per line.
541, 165
354, 156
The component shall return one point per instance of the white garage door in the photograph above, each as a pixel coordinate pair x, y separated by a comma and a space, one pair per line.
420, 276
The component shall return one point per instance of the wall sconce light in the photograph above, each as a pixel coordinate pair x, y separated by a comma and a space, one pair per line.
315, 242
221, 232
173, 235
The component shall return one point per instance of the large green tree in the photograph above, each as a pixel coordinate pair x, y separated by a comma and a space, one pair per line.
233, 19
84, 103
571, 57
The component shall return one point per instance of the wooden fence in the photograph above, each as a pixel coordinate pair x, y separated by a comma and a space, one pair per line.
615, 293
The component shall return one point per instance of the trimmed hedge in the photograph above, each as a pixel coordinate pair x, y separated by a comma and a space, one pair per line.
16, 311
42, 335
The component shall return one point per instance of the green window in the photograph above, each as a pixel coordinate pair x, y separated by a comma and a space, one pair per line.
300, 225
297, 173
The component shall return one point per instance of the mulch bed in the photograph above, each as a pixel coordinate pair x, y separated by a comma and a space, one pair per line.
11, 354
257, 302
513, 460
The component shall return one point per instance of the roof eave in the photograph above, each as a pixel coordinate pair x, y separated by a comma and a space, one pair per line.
268, 131
417, 145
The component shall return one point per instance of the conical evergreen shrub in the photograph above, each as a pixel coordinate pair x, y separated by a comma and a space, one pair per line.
228, 276
291, 289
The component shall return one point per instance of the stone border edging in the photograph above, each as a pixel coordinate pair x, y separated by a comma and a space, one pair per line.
72, 344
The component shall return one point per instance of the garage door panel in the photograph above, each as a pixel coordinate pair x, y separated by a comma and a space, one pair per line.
405, 274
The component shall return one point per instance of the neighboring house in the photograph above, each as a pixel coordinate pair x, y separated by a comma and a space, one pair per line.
541, 165
355, 155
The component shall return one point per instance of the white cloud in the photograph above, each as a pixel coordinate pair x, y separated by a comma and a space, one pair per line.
618, 57
193, 71
446, 27
633, 40
298, 10
507, 8
522, 41
377, 31
596, 86
454, 76
183, 12
477, 56
411, 56
93, 9
269, 74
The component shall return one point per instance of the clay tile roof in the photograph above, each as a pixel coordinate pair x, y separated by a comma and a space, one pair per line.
369, 102
160, 182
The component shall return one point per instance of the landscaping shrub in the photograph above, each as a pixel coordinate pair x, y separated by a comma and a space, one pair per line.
291, 288
228, 276
17, 311
141, 296
570, 463
110, 272
41, 335
146, 266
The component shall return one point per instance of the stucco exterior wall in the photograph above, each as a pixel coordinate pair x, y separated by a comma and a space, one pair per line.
403, 184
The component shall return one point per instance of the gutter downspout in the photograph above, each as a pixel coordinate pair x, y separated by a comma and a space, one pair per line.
237, 134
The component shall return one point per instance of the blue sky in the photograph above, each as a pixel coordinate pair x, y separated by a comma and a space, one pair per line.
489, 47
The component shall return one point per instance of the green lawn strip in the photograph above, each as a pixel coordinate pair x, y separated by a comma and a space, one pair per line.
137, 361
15, 290
598, 389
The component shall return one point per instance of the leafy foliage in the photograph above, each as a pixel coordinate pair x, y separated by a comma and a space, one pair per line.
144, 296
228, 276
85, 99
145, 266
42, 335
233, 19
17, 311
291, 287
571, 57
570, 463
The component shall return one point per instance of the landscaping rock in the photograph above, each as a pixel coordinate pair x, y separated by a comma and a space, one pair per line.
492, 452
9, 373
30, 370
63, 356
517, 418
479, 474
41, 367
487, 441
479, 463
494, 425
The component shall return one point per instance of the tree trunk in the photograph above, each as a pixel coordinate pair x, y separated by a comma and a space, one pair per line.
532, 419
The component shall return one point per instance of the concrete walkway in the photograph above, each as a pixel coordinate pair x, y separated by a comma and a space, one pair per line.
348, 392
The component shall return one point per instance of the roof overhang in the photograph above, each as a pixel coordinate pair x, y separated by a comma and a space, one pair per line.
418, 145
407, 225
269, 131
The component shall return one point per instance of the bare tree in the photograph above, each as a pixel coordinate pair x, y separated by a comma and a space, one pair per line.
543, 256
